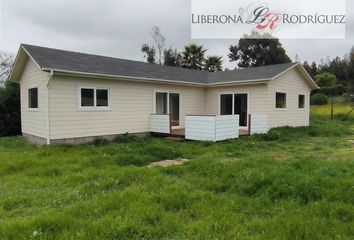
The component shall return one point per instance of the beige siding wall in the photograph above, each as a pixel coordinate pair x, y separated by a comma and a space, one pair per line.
257, 97
33, 121
131, 106
293, 84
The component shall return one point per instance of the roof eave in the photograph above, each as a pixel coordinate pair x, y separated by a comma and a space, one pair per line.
241, 82
307, 76
20, 51
121, 77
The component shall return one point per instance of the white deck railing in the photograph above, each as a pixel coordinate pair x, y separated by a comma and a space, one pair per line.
259, 123
160, 123
211, 128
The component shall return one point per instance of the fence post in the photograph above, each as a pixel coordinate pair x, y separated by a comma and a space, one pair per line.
170, 121
249, 124
332, 110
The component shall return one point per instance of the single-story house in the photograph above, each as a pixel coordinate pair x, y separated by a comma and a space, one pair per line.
72, 97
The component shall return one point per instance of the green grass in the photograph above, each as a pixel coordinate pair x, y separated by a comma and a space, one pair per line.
296, 185
339, 111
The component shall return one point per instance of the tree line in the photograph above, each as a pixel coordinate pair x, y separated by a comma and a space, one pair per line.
335, 77
193, 56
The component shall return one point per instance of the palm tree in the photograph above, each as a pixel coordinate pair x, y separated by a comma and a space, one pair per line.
213, 64
193, 57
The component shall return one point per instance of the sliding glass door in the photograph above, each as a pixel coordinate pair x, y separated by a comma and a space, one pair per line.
240, 108
174, 109
168, 103
235, 104
161, 103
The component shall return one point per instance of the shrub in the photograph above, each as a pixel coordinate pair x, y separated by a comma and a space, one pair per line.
331, 91
272, 135
326, 79
125, 138
100, 142
319, 99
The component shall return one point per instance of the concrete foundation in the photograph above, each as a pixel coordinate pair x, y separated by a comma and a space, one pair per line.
75, 141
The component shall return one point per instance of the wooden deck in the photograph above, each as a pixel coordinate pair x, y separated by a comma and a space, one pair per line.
181, 133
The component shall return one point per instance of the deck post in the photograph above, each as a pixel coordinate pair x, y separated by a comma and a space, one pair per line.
170, 120
249, 124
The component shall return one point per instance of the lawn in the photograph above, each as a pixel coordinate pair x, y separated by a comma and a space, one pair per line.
294, 183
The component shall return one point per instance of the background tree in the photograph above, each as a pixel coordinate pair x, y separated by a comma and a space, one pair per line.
339, 67
261, 50
6, 62
351, 69
10, 113
307, 66
314, 69
311, 69
172, 57
213, 64
326, 80
297, 58
159, 40
193, 57
149, 53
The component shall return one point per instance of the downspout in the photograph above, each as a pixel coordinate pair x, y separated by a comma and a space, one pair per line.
47, 106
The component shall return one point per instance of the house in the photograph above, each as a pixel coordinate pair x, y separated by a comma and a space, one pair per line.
71, 97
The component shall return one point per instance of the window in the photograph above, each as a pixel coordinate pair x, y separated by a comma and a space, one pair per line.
87, 97
161, 103
226, 104
33, 98
280, 100
102, 97
94, 98
301, 101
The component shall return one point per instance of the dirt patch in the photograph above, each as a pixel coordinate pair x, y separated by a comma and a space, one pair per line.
168, 163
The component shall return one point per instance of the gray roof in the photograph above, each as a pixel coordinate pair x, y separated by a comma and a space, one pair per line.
48, 58
247, 74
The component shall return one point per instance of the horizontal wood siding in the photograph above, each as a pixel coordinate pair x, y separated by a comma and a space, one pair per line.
227, 127
293, 84
200, 128
257, 95
33, 121
211, 128
160, 123
259, 123
131, 107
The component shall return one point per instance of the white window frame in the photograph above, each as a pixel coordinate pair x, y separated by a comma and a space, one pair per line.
275, 101
94, 107
233, 104
28, 107
168, 103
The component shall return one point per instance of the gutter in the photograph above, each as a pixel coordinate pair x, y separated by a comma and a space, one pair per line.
51, 74
156, 80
